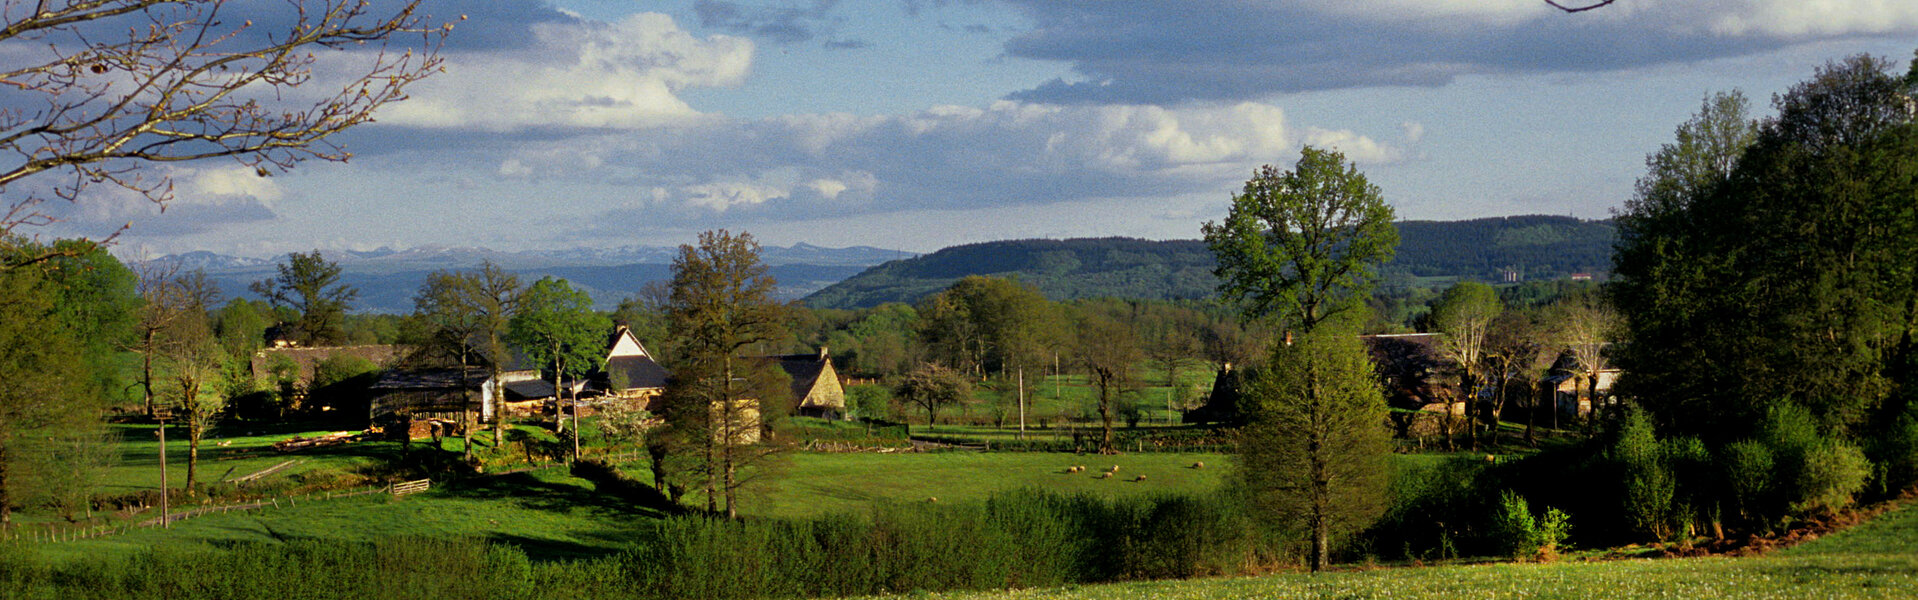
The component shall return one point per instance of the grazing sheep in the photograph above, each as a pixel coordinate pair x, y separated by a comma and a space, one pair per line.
932, 499
1072, 469
1198, 465
1115, 468
1105, 475
1138, 479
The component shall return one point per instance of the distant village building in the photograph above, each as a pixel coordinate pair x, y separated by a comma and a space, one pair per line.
816, 389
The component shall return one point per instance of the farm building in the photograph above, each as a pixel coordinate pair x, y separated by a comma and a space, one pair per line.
417, 398
815, 384
631, 372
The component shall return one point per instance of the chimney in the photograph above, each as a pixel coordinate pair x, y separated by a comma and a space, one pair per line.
823, 354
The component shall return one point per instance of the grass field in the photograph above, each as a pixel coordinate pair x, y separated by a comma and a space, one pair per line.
245, 453
1059, 399
1876, 560
827, 483
553, 515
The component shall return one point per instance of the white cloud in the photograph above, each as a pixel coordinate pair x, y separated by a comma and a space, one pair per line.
211, 185
947, 157
588, 74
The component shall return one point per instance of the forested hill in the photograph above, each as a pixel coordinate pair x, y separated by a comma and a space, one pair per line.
1540, 247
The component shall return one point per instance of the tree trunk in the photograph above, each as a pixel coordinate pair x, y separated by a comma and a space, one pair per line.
146, 370
6, 502
1531, 413
195, 429
194, 432
1498, 405
1105, 382
498, 401
1321, 492
1469, 381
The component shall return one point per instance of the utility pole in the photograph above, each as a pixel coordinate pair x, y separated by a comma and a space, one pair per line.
166, 515
1022, 402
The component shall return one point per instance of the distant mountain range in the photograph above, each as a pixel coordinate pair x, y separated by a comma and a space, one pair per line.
388, 278
1491, 249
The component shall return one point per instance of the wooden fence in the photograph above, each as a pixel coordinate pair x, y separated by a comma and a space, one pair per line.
416, 486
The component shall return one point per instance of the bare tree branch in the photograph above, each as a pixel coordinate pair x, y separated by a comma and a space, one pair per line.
1578, 9
107, 87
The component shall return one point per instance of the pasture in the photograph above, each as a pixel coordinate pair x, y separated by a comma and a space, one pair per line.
550, 514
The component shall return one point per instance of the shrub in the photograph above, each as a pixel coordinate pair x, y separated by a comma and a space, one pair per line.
1830, 474
1646, 480
1515, 527
1749, 467
1553, 529
1526, 538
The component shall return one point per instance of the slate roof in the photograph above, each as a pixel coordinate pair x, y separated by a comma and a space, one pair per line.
639, 371
430, 380
804, 370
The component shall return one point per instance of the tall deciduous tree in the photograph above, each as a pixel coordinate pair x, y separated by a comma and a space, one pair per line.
1303, 245
557, 328
193, 360
1108, 349
1585, 326
1314, 454
1464, 314
106, 88
309, 284
463, 318
722, 304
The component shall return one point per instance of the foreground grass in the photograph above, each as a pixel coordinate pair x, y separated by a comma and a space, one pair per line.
1878, 559
550, 514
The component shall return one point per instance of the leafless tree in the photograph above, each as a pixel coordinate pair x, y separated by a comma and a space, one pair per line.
98, 91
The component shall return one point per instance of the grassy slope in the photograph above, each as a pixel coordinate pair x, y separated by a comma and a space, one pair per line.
553, 515
136, 469
1876, 560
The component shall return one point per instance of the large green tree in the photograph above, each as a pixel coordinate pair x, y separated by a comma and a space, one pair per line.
309, 284
461, 319
557, 328
1303, 245
1787, 277
50, 408
1314, 455
718, 403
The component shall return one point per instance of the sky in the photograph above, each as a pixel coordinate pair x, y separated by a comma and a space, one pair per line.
919, 124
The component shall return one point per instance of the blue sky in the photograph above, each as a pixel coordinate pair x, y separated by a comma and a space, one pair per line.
918, 124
